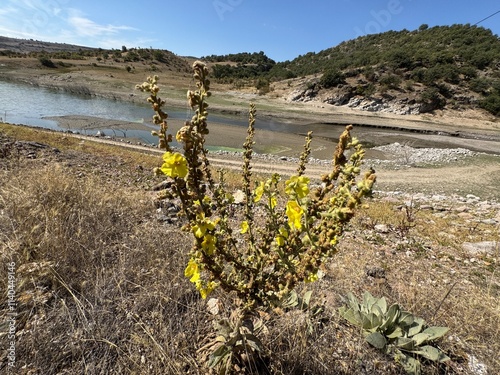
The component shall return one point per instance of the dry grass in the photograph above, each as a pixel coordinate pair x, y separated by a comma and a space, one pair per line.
101, 290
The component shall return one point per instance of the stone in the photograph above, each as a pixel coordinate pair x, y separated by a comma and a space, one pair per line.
484, 247
239, 197
465, 215
381, 228
489, 221
376, 272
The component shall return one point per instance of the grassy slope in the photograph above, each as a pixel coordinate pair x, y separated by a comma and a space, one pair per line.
101, 289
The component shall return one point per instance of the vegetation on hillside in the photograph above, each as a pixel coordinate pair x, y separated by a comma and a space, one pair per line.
441, 59
150, 56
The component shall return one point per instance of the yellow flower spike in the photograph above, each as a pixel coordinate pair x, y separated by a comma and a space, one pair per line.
297, 185
258, 192
174, 165
280, 241
192, 271
201, 228
202, 225
294, 213
244, 227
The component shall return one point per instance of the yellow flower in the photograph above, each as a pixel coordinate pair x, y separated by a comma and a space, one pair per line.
208, 244
174, 165
281, 237
192, 270
294, 213
205, 291
273, 202
297, 185
258, 192
244, 227
202, 225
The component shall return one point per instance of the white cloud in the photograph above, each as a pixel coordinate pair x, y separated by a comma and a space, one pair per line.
47, 20
84, 26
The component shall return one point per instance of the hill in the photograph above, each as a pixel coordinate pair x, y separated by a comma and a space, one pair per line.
29, 45
407, 72
46, 51
443, 69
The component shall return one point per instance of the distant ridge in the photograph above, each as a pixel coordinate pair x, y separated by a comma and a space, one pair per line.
31, 45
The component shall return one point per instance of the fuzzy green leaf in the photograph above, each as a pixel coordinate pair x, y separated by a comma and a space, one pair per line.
382, 304
218, 355
290, 300
432, 353
306, 299
436, 332
377, 311
390, 318
410, 364
405, 343
352, 301
416, 326
377, 340
351, 315
368, 302
395, 332
371, 321
420, 338
406, 318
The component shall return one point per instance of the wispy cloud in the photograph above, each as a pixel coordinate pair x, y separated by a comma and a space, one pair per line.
52, 21
86, 27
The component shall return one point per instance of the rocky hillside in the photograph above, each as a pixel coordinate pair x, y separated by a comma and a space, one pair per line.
406, 72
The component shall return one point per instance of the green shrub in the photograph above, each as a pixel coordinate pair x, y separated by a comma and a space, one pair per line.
332, 78
391, 81
47, 62
491, 103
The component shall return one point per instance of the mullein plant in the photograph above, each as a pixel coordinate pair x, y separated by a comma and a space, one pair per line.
260, 259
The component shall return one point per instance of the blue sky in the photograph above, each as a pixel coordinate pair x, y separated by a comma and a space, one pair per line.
283, 29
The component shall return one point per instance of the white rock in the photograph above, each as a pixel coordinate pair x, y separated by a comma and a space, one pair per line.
475, 248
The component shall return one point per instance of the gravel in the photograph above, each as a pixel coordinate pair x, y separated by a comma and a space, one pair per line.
404, 155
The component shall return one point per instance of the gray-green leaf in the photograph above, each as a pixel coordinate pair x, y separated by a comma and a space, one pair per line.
377, 340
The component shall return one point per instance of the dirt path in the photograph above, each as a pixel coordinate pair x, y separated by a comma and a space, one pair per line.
478, 175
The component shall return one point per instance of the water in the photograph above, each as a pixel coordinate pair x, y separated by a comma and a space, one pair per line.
31, 105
